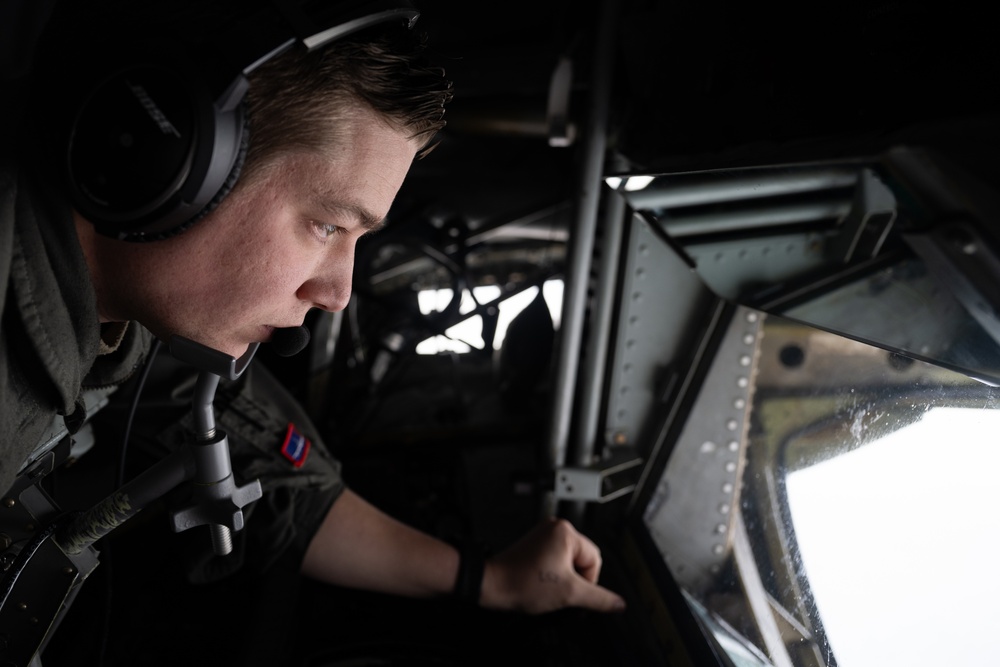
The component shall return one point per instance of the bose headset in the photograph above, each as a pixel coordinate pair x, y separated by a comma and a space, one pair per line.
159, 136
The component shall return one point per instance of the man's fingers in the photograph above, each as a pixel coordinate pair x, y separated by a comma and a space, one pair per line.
552, 567
585, 554
597, 598
587, 560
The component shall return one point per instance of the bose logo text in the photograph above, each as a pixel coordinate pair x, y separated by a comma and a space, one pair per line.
166, 127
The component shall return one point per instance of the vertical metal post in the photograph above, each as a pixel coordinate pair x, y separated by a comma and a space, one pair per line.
582, 241
591, 387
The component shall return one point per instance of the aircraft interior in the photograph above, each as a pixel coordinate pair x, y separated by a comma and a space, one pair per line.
715, 281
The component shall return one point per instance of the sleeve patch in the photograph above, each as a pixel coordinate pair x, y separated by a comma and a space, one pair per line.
296, 446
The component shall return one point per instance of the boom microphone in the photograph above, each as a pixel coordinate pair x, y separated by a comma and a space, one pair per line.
290, 340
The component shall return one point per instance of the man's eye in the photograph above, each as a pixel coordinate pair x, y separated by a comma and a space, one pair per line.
325, 230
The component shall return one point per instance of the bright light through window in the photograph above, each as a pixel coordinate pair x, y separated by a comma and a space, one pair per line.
632, 183
467, 334
897, 539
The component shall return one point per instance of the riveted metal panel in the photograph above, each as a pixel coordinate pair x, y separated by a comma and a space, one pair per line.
660, 298
690, 514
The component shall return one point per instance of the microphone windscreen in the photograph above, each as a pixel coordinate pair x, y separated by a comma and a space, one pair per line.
290, 340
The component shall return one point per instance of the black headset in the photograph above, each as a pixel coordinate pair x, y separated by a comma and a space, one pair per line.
160, 135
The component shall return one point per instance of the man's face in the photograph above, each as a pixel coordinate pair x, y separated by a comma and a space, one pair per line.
274, 249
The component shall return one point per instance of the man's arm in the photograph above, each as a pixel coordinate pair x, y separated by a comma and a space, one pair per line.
551, 567
359, 546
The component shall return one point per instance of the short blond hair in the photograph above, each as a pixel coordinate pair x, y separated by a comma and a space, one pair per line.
296, 99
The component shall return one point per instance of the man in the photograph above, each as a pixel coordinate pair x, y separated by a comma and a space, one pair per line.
333, 134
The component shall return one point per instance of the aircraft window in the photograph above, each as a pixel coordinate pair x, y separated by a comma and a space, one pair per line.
468, 334
827, 502
893, 536
800, 498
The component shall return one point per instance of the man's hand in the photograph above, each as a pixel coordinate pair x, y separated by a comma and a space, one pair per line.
551, 567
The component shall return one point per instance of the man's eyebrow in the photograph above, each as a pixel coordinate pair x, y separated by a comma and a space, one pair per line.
368, 220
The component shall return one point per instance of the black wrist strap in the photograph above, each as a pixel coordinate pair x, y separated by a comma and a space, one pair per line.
469, 581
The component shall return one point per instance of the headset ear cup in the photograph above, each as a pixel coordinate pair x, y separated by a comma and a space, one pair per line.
227, 187
131, 145
150, 149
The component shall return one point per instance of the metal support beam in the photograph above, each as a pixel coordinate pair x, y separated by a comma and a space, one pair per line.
595, 362
582, 241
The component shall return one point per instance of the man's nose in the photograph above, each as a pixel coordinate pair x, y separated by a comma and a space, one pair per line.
329, 287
